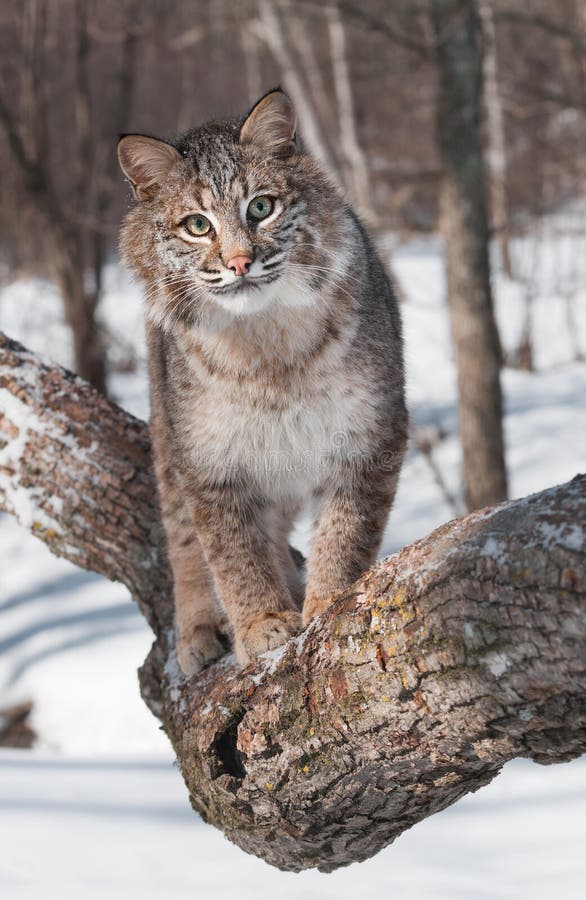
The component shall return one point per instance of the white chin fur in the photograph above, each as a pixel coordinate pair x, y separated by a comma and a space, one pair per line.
253, 300
246, 301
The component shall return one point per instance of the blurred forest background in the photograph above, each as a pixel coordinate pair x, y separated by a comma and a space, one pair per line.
464, 114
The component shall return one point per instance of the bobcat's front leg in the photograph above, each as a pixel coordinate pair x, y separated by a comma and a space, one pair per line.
245, 568
349, 530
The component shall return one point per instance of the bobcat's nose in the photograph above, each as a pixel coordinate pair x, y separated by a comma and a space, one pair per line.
239, 264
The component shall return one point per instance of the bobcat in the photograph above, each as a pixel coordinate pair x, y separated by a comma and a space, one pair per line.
276, 375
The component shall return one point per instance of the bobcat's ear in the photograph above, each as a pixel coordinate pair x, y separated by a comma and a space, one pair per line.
271, 124
145, 161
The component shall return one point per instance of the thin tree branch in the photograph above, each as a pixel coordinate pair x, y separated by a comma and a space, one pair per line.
358, 15
506, 15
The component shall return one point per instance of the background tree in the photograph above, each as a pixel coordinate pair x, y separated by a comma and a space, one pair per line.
496, 138
66, 217
464, 226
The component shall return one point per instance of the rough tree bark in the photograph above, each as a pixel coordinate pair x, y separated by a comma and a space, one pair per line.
441, 664
464, 224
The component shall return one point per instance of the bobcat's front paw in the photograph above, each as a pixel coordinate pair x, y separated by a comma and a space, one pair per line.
199, 649
266, 632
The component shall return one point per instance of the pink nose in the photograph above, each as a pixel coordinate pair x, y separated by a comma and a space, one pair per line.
239, 264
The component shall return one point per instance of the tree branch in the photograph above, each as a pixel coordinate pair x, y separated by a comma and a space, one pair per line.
75, 470
356, 14
442, 663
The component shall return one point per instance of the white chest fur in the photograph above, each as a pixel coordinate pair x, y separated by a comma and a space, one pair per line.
286, 449
284, 431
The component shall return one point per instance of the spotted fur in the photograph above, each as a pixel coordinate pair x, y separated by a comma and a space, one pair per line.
270, 392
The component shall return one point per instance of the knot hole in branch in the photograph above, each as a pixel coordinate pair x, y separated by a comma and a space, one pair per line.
229, 759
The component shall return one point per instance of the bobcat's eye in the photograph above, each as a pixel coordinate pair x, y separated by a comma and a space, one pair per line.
260, 208
197, 225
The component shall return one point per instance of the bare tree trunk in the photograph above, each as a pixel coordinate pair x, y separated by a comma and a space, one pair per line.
32, 113
356, 165
82, 156
274, 34
80, 254
497, 147
80, 307
302, 31
29, 143
438, 666
527, 272
523, 359
573, 55
465, 230
105, 172
250, 47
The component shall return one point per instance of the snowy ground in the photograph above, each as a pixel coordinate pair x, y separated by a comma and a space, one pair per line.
98, 810
121, 829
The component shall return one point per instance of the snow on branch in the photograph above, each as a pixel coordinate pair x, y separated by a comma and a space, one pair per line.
443, 662
76, 471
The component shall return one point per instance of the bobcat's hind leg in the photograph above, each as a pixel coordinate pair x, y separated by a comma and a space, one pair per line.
202, 624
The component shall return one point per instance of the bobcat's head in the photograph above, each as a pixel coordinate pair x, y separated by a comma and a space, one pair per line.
231, 216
